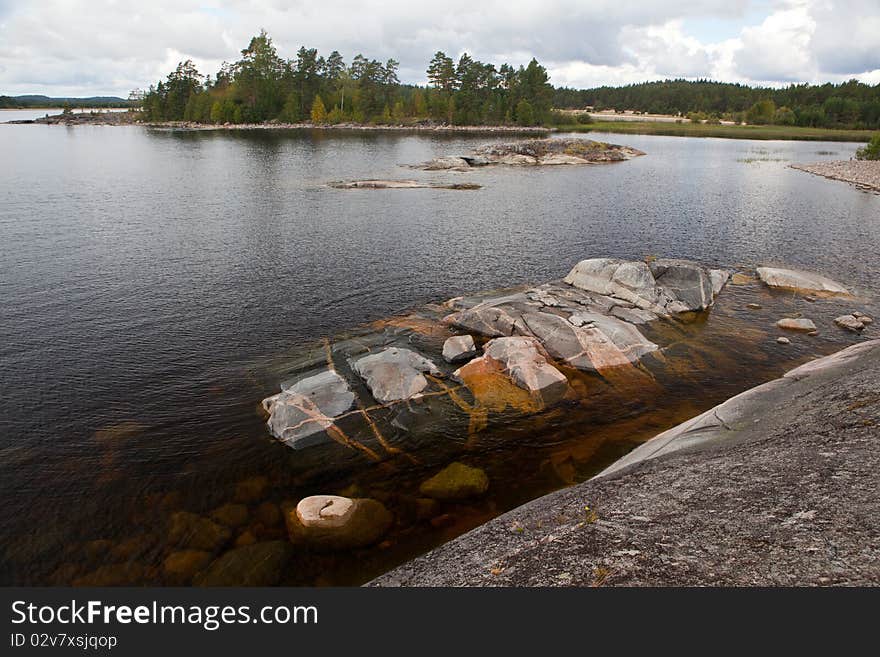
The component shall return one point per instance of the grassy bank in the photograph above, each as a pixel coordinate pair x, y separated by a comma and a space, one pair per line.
688, 129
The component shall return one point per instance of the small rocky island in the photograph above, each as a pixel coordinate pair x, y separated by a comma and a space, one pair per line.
535, 152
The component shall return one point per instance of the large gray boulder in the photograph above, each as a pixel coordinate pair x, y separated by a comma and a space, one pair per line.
522, 359
802, 281
665, 287
301, 413
589, 341
742, 412
394, 373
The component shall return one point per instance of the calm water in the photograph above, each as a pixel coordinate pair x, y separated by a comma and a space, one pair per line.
152, 283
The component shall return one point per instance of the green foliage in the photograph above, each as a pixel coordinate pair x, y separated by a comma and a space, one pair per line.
291, 112
263, 87
319, 112
851, 104
871, 151
525, 113
761, 113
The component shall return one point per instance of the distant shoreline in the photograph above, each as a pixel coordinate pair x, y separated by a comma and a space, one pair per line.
669, 129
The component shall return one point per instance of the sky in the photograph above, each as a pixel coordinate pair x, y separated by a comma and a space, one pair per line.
109, 47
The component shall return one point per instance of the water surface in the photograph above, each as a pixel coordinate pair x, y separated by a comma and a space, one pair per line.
154, 284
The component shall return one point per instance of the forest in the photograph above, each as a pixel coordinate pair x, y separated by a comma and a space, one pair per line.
851, 104
262, 86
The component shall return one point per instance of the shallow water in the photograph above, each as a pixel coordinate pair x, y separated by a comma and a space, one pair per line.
156, 285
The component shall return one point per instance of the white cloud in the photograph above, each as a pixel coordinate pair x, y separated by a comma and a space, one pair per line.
779, 48
70, 47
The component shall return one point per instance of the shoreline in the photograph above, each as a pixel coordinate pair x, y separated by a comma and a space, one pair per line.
774, 487
864, 175
756, 132
124, 119
667, 129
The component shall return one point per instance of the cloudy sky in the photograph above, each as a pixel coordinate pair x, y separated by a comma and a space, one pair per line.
97, 47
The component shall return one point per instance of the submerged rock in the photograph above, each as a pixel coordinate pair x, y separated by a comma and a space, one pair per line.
119, 574
251, 489
259, 564
458, 348
801, 324
456, 481
308, 407
524, 361
337, 523
231, 515
182, 565
394, 373
191, 531
793, 279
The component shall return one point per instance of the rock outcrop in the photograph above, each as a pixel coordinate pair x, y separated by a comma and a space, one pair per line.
664, 287
536, 152
394, 374
307, 408
800, 281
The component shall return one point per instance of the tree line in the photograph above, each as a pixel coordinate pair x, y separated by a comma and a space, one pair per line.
262, 86
851, 104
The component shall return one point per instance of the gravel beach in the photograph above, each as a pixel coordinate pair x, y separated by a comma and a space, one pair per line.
864, 174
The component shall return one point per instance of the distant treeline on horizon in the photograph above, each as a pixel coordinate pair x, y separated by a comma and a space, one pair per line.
38, 101
262, 86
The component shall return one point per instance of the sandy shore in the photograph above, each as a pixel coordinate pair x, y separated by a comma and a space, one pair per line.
864, 174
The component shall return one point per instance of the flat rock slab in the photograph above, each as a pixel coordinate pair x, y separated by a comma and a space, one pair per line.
800, 281
799, 324
394, 374
777, 486
401, 184
307, 408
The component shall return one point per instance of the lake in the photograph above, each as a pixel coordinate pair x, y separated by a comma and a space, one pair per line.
154, 283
